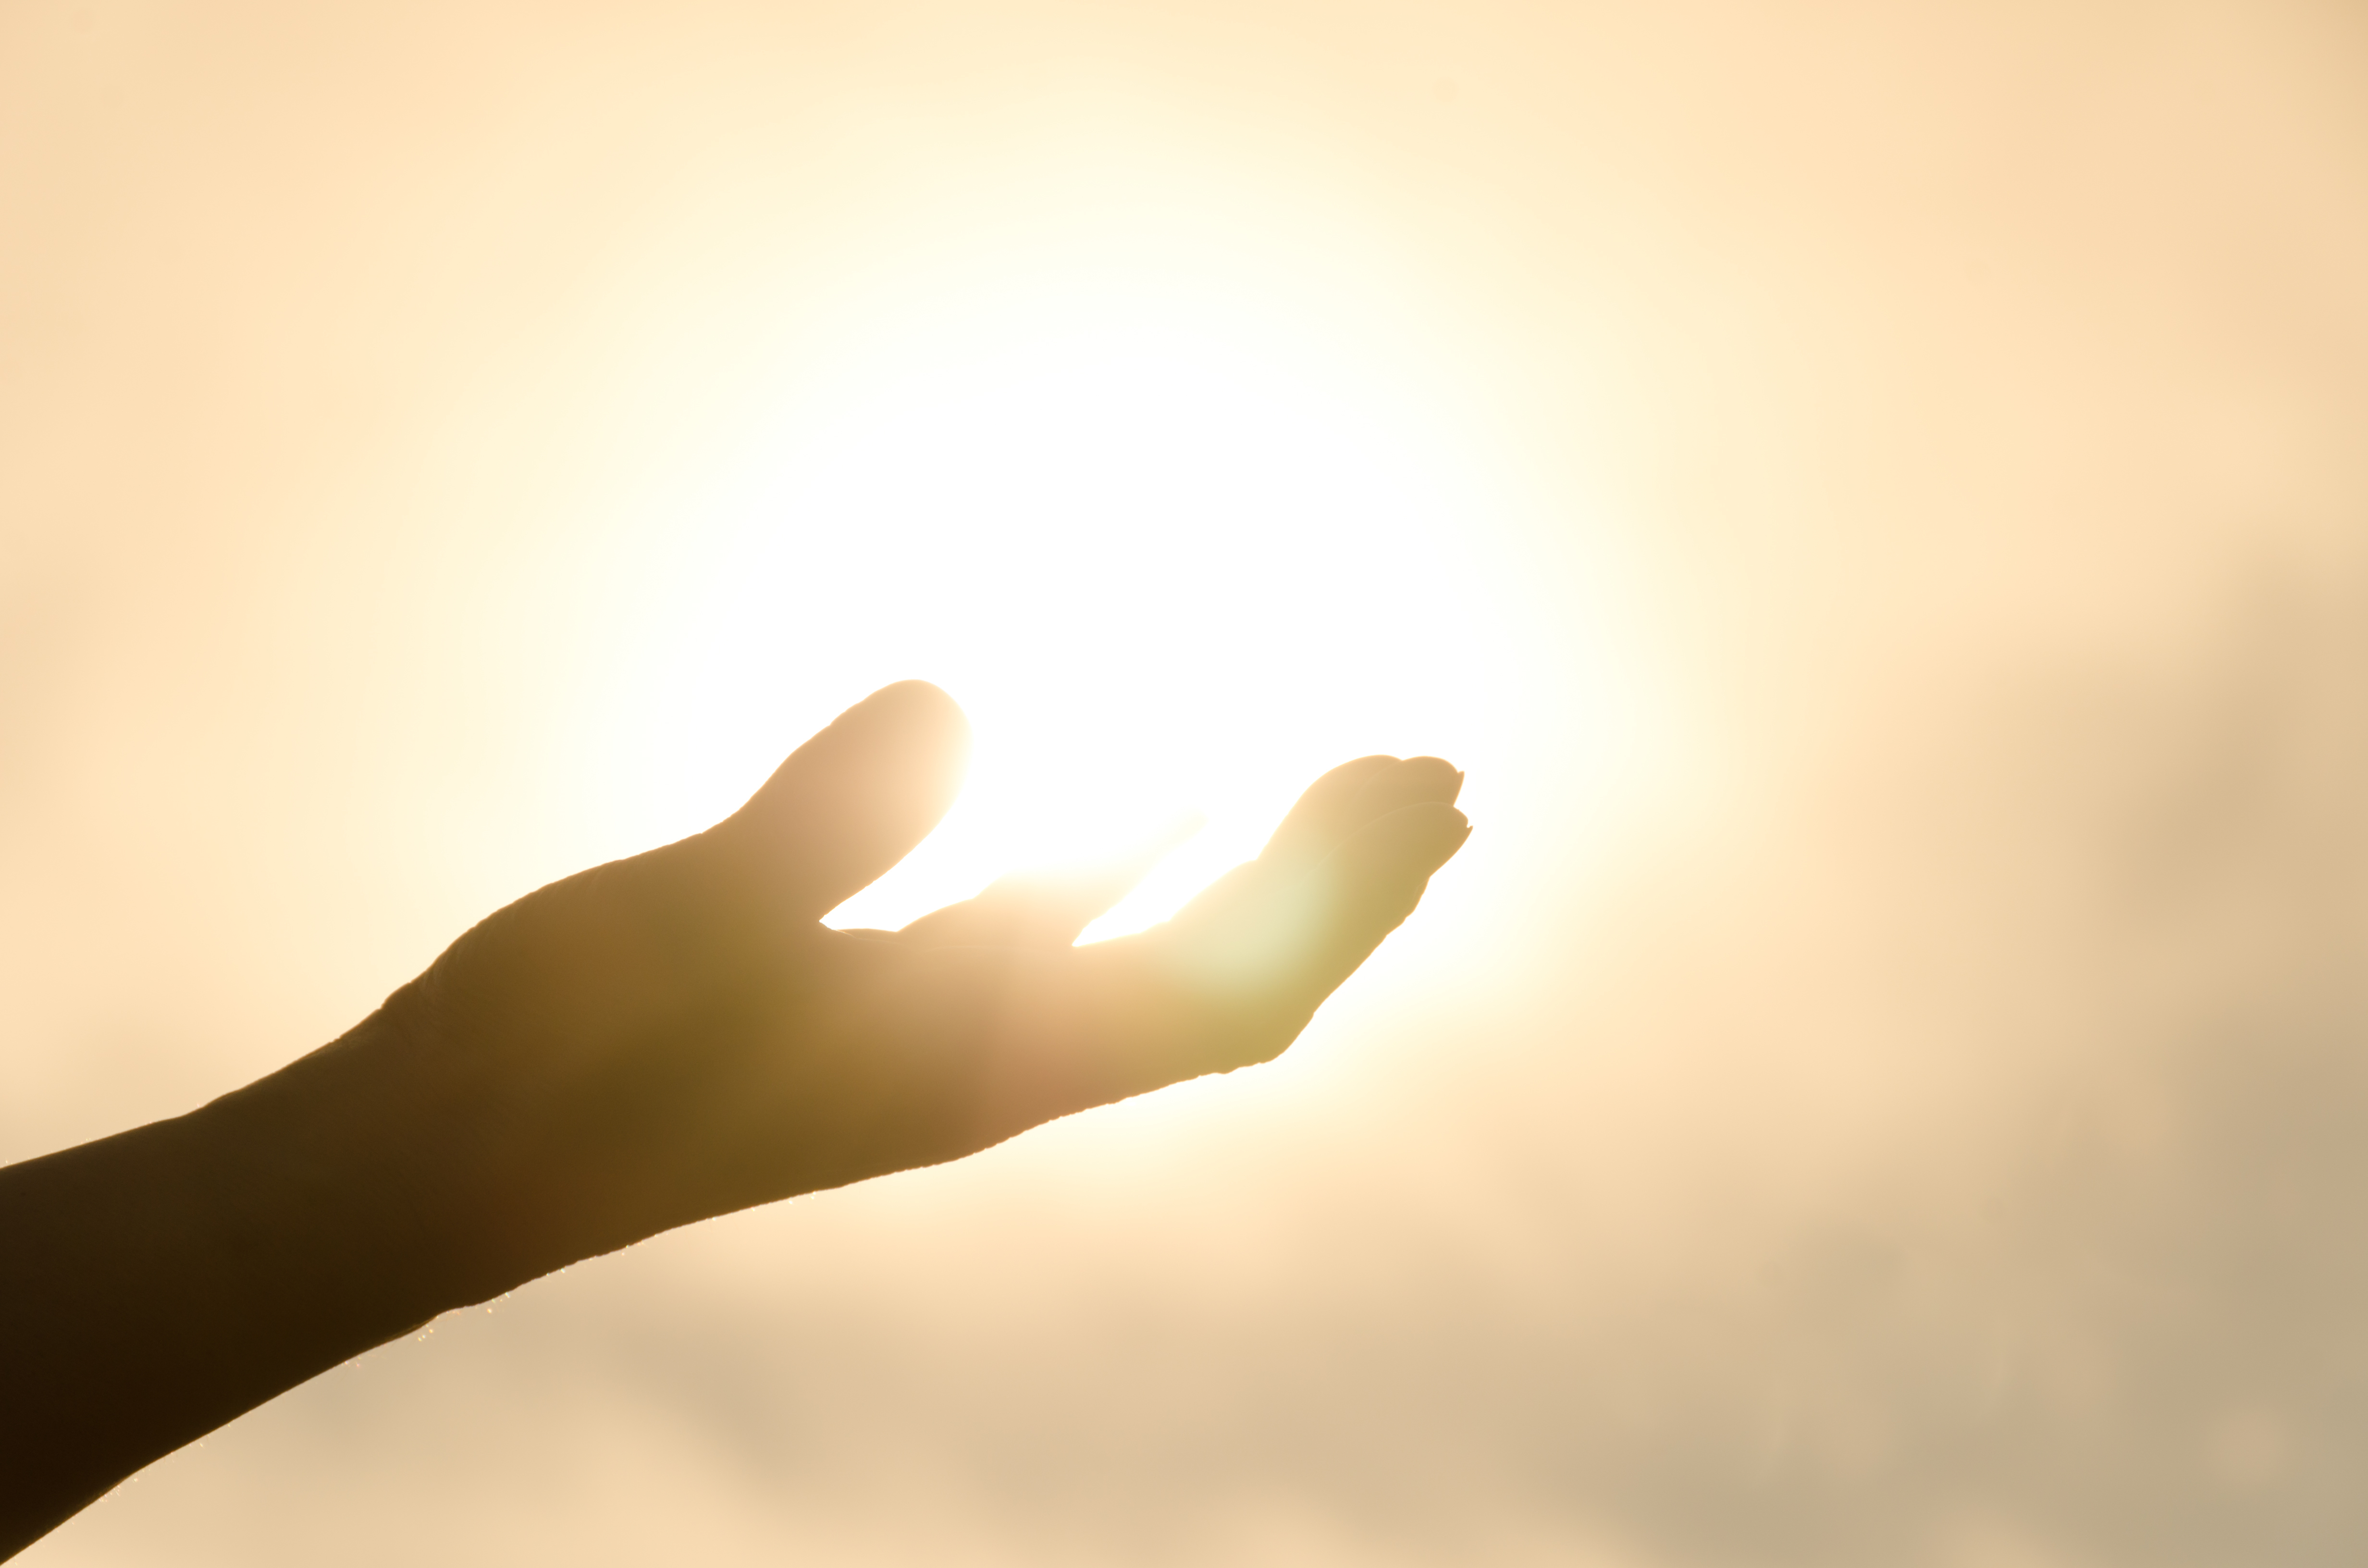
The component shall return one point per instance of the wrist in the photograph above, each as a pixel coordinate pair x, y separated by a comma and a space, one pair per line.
353, 1179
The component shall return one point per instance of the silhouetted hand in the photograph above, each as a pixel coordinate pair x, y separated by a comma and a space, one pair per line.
676, 1036
648, 1043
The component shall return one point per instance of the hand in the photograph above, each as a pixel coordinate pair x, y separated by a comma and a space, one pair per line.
677, 1036
649, 1043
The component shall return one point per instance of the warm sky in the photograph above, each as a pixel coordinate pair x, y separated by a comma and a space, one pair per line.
1876, 496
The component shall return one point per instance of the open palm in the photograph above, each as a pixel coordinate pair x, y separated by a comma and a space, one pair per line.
677, 1035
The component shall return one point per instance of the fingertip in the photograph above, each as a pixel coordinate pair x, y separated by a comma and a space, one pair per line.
857, 797
912, 731
916, 693
916, 706
1416, 780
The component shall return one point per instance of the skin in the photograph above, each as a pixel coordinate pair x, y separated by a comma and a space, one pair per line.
648, 1043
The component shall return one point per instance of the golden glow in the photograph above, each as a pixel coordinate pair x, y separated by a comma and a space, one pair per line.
1871, 494
1181, 521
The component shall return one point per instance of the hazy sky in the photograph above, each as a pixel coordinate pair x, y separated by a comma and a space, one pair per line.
1876, 496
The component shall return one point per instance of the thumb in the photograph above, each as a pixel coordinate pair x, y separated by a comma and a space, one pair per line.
855, 800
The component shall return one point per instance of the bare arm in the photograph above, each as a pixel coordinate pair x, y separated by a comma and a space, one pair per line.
650, 1043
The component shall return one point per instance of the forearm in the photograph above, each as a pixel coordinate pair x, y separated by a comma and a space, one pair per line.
158, 1283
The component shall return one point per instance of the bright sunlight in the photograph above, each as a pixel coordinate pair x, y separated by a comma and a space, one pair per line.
1173, 545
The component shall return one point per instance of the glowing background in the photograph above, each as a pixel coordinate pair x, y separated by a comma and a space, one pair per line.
1875, 499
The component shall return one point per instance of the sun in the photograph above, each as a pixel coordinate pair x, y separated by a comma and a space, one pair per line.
1178, 537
